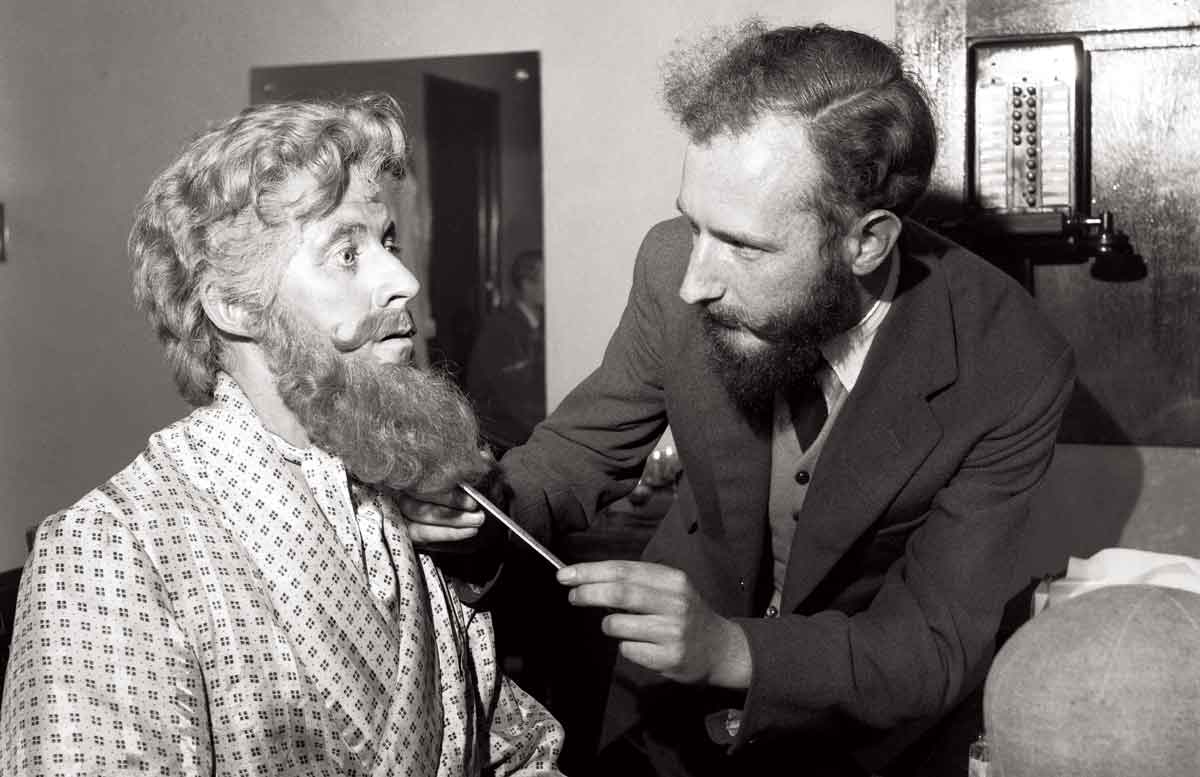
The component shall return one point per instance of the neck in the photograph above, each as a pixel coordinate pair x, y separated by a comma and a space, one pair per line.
247, 365
872, 286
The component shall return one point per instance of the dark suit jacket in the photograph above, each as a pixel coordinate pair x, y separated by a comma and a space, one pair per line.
506, 377
905, 549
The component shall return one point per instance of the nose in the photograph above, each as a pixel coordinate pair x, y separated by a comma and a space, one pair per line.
393, 282
701, 282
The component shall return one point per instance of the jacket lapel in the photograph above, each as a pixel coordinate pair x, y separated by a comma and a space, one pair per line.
886, 428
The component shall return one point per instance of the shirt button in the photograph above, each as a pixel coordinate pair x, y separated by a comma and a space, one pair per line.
772, 611
802, 477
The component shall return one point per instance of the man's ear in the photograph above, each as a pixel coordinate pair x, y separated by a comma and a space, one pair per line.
230, 318
870, 240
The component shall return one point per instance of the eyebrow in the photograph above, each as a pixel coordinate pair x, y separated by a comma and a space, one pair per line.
343, 231
732, 237
354, 231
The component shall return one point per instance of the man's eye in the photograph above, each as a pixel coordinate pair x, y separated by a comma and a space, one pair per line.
741, 246
390, 243
347, 257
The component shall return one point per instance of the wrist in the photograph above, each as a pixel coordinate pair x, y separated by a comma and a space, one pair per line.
732, 665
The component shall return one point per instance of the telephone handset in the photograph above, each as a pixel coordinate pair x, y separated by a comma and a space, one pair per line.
1027, 136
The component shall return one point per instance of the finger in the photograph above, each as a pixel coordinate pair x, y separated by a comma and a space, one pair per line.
449, 519
628, 597
455, 501
655, 629
635, 572
654, 657
438, 515
430, 534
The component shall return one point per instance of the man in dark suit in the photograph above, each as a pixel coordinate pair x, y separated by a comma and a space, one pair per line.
861, 408
506, 374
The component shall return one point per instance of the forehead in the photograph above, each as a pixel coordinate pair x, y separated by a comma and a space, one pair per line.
770, 167
364, 200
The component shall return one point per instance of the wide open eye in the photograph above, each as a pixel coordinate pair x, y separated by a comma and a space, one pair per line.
346, 257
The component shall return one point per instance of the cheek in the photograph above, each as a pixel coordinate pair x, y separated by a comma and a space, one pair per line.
326, 305
766, 296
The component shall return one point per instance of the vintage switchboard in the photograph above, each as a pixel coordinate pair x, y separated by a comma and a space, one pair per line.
1026, 136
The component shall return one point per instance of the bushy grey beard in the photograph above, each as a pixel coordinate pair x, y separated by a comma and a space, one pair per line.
394, 426
789, 350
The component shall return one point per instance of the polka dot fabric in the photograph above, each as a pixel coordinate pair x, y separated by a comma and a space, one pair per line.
215, 609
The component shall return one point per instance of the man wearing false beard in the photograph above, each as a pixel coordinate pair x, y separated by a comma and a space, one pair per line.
245, 597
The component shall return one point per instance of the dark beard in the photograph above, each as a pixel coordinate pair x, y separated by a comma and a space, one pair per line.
393, 426
789, 348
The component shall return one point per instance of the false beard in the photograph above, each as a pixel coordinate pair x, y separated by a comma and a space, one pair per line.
393, 426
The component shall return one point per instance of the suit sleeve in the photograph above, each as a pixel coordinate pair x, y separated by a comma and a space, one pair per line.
592, 448
929, 632
101, 681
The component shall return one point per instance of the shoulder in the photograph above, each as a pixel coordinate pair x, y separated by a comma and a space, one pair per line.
663, 256
670, 235
1004, 349
134, 504
994, 316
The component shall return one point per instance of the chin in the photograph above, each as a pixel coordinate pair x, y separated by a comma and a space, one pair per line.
393, 353
742, 341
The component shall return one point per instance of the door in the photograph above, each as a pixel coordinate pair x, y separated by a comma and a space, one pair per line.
464, 270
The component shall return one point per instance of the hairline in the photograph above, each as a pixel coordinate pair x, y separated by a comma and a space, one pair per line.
803, 201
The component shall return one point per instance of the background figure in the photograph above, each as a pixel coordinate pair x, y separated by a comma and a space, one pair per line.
506, 374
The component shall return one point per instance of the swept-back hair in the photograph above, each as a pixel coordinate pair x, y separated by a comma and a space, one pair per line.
220, 212
867, 118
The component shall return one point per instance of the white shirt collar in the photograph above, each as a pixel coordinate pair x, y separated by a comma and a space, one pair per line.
847, 352
530, 314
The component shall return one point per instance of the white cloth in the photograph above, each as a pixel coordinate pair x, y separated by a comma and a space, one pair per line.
200, 614
1119, 566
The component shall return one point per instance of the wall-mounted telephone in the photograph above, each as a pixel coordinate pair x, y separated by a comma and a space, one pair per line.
1027, 134
1028, 156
